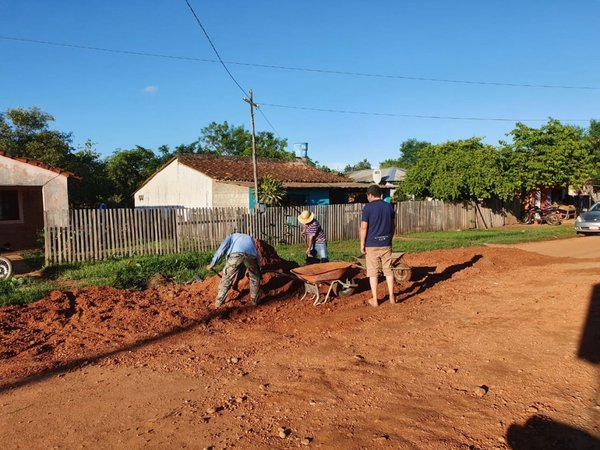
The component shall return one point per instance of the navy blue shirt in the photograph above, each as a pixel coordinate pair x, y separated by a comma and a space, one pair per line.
379, 215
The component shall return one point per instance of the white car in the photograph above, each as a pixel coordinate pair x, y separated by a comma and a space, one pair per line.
589, 220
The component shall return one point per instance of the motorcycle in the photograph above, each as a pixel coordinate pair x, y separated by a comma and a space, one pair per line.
6, 268
535, 214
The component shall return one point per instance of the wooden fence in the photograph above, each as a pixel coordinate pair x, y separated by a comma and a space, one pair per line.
101, 234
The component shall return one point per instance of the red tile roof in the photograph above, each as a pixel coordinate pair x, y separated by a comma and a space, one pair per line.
239, 169
33, 162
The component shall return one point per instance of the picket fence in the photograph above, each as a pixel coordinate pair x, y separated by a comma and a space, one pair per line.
100, 234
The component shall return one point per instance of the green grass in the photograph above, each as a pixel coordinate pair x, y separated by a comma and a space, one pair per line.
21, 291
422, 242
132, 273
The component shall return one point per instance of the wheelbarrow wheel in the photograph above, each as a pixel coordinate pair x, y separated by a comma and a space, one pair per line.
346, 292
402, 274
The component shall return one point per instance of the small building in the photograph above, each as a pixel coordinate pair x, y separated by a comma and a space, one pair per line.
389, 178
194, 181
28, 189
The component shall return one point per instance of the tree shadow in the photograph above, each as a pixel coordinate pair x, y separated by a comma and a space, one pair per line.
542, 433
427, 279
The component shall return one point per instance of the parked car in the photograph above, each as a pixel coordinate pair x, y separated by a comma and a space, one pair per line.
589, 220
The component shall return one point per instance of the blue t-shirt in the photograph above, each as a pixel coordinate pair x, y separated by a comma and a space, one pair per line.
235, 243
380, 217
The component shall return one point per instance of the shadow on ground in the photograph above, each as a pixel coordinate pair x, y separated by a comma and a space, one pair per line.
543, 433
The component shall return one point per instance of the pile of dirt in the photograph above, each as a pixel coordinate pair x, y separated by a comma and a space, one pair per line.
65, 328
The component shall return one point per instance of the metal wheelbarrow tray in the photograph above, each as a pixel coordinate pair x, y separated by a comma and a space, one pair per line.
333, 274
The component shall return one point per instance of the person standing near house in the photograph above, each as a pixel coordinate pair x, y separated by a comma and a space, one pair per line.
240, 249
376, 232
316, 245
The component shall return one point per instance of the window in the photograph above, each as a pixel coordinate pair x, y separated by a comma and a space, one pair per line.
9, 206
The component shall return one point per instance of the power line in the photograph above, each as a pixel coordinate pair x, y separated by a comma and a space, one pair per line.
223, 63
304, 69
417, 116
329, 110
215, 49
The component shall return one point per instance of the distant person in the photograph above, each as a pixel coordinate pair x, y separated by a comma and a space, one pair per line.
376, 232
316, 245
240, 249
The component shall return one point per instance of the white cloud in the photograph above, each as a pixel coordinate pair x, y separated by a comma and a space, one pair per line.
150, 90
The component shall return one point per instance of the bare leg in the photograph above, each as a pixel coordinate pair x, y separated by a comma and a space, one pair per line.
390, 284
373, 282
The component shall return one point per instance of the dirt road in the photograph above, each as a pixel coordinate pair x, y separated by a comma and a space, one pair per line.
490, 348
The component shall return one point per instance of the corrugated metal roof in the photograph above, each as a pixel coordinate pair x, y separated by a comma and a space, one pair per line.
388, 174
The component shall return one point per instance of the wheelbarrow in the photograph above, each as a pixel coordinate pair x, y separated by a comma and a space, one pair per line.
334, 275
402, 271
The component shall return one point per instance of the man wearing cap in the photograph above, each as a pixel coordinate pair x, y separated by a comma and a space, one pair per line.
316, 246
240, 249
377, 228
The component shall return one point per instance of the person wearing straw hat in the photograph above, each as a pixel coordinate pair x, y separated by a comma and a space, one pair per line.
316, 246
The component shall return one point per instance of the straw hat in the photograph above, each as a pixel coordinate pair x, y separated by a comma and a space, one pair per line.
306, 217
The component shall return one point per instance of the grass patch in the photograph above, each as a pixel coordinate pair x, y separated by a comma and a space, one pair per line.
440, 240
24, 290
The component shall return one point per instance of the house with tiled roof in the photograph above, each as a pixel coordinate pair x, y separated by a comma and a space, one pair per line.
32, 194
194, 181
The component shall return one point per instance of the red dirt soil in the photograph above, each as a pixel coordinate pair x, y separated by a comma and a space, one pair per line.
488, 348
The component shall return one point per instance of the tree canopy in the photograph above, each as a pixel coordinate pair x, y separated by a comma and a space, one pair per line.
551, 156
457, 170
409, 150
227, 140
26, 133
361, 165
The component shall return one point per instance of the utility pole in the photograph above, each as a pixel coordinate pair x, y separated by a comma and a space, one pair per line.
250, 101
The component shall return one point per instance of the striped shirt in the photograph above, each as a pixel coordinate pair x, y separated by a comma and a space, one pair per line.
314, 229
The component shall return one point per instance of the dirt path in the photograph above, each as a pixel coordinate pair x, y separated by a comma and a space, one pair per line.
489, 348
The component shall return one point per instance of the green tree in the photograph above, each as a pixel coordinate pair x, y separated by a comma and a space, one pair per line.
127, 170
25, 132
409, 151
224, 139
93, 185
458, 170
361, 165
593, 135
551, 156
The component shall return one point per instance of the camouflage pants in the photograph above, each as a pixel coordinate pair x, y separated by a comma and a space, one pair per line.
230, 272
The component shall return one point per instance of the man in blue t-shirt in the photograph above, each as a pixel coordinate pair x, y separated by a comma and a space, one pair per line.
240, 249
376, 232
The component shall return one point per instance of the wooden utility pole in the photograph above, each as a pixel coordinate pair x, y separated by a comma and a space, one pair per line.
250, 101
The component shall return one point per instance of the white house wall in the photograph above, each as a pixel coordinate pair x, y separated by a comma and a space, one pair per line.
55, 192
230, 195
176, 185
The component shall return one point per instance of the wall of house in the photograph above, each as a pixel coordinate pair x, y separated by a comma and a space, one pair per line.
312, 196
176, 185
230, 195
55, 192
23, 234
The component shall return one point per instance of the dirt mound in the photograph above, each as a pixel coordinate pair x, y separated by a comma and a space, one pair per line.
68, 327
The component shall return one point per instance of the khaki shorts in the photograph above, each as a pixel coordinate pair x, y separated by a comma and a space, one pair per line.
379, 258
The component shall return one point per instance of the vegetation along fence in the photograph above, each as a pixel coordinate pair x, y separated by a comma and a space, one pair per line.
101, 234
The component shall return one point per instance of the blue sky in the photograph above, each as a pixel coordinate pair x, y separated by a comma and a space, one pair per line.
119, 100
